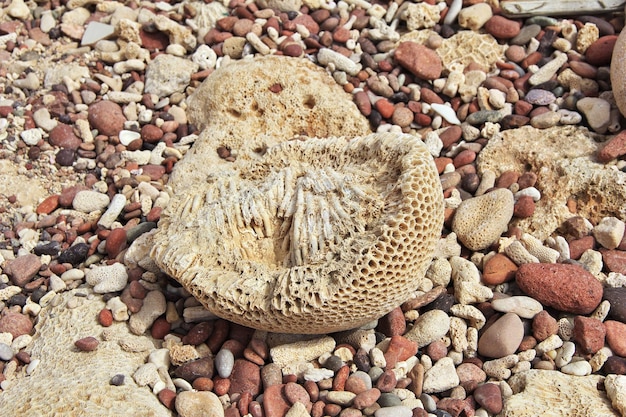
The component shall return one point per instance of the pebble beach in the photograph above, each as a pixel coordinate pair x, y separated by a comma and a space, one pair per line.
522, 310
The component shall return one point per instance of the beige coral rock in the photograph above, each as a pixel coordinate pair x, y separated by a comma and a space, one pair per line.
554, 394
312, 236
479, 221
52, 389
564, 172
618, 79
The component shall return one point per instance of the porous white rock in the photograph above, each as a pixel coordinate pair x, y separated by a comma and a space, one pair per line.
168, 74
113, 211
609, 232
430, 326
153, 306
88, 201
107, 278
553, 393
615, 386
441, 377
479, 221
466, 279
326, 56
305, 350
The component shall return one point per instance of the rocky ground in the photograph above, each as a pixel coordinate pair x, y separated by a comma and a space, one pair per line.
522, 310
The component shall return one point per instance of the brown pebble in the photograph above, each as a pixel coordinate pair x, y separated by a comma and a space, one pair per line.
498, 269
600, 52
107, 117
524, 207
15, 323
48, 205
502, 28
115, 242
105, 317
87, 344
421, 61
613, 148
167, 398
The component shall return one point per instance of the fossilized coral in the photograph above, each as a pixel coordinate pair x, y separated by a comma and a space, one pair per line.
312, 236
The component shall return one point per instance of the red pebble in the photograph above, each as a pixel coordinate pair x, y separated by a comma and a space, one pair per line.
116, 242
105, 317
167, 398
87, 344
160, 328
384, 107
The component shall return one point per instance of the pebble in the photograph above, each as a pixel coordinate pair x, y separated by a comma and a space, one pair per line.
327, 56
394, 411
568, 288
479, 221
15, 323
107, 117
88, 201
613, 148
198, 404
224, 362
579, 368
502, 28
502, 338
74, 255
87, 344
195, 369
524, 307
63, 136
617, 298
544, 326
153, 306
589, 334
597, 112
6, 353
498, 269
609, 232
22, 269
616, 337
246, 376
418, 59
599, 53
441, 377
430, 326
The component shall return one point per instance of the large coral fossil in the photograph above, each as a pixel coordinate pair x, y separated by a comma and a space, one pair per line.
312, 236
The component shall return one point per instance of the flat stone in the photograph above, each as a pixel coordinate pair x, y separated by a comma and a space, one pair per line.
22, 269
96, 31
617, 298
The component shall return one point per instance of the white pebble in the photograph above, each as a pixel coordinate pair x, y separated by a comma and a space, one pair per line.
32, 136
579, 368
224, 362
326, 56
529, 192
127, 136
446, 112
317, 374
609, 232
523, 306
115, 208
32, 366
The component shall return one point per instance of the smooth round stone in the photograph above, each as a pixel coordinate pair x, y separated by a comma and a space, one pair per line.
224, 362
503, 337
6, 353
396, 411
389, 400
523, 306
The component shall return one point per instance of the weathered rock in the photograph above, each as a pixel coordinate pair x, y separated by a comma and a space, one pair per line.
61, 366
552, 393
563, 172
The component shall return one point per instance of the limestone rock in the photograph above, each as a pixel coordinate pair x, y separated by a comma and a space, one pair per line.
61, 366
554, 394
618, 78
310, 236
167, 74
562, 172
615, 386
